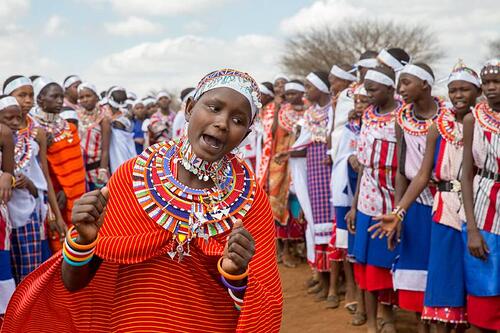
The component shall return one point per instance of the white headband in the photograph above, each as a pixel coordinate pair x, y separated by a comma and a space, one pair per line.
17, 83
265, 90
387, 59
360, 91
462, 75
40, 83
89, 86
69, 114
149, 100
111, 101
342, 74
70, 80
419, 72
367, 63
294, 86
281, 76
318, 83
190, 94
378, 77
8, 101
131, 95
163, 94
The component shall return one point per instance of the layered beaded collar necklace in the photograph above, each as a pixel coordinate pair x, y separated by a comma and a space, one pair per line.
187, 212
373, 118
413, 125
23, 149
449, 128
487, 118
316, 119
57, 128
202, 169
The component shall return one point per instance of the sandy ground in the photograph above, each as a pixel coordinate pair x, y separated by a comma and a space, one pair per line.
301, 314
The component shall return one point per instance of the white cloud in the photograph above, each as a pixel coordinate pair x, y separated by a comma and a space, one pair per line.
163, 7
133, 25
195, 27
175, 63
462, 29
12, 9
55, 26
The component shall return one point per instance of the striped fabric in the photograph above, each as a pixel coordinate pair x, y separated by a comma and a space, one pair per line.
26, 247
486, 151
138, 288
91, 145
66, 170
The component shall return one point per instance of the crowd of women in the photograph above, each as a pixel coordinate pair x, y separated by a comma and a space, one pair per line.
394, 192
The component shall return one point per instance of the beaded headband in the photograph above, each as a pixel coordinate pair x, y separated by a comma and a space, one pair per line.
240, 82
463, 73
89, 86
70, 80
17, 83
419, 72
8, 101
294, 86
266, 91
491, 67
318, 83
342, 74
378, 77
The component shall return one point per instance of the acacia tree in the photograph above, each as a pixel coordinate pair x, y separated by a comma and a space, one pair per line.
320, 48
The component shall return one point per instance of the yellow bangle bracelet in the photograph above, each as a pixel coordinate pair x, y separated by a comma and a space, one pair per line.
13, 181
230, 276
75, 245
71, 257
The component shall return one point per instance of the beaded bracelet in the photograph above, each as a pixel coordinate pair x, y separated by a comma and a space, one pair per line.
75, 254
230, 286
230, 276
399, 212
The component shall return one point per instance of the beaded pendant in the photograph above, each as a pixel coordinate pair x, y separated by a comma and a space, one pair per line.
288, 117
371, 117
412, 125
186, 212
487, 118
449, 128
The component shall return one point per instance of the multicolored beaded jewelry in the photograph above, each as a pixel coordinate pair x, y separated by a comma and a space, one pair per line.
372, 118
186, 212
23, 149
449, 128
487, 118
57, 128
88, 119
316, 121
412, 125
202, 169
288, 117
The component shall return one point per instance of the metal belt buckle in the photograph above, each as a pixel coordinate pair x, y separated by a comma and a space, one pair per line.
455, 186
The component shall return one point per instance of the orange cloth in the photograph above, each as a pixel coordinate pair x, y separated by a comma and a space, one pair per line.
139, 288
267, 118
67, 171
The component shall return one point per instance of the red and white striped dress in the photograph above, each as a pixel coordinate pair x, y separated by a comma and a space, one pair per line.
139, 288
89, 129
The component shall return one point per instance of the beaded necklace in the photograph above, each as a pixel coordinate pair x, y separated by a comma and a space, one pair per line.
413, 125
288, 117
316, 120
372, 117
56, 127
202, 169
23, 150
449, 128
487, 118
89, 119
186, 212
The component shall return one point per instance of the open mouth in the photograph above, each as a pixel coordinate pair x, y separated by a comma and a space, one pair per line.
212, 142
460, 104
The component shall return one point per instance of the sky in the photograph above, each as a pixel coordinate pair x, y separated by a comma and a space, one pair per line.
171, 44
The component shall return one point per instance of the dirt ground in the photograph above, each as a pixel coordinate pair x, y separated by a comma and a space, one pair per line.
301, 314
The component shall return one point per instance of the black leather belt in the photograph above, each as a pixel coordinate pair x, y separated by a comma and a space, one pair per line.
489, 174
93, 166
449, 186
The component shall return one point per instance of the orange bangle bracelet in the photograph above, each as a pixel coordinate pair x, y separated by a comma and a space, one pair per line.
229, 276
71, 257
77, 246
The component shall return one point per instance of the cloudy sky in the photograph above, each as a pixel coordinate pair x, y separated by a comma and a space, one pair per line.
153, 44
